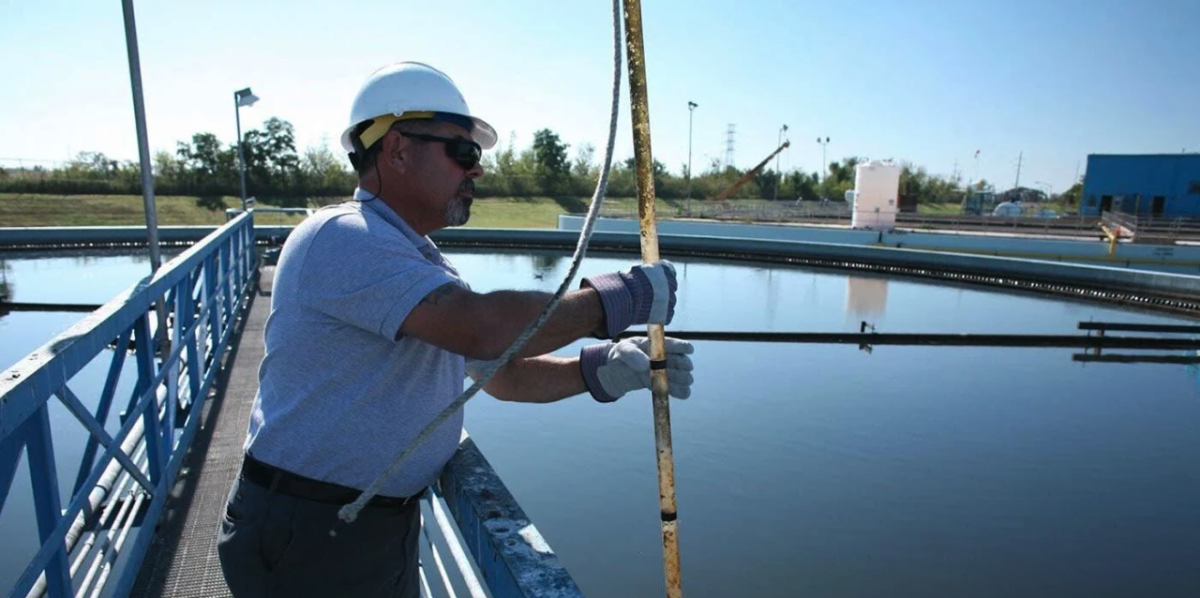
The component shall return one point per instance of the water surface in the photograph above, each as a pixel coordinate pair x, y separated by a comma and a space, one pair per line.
822, 470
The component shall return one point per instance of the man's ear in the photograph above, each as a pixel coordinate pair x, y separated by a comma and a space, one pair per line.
397, 150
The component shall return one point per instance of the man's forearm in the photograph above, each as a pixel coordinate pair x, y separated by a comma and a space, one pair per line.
577, 315
541, 379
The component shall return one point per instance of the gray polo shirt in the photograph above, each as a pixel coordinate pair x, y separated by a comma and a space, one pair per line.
339, 397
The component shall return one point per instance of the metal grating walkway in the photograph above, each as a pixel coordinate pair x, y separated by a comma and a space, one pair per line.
182, 559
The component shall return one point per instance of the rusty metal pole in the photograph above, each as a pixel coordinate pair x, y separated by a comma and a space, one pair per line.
643, 158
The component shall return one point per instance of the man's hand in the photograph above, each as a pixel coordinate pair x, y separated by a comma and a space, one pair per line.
640, 295
612, 369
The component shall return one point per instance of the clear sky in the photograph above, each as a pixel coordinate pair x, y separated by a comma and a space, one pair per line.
930, 81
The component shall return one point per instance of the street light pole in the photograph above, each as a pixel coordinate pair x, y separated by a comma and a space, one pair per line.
975, 182
778, 175
823, 160
691, 108
242, 97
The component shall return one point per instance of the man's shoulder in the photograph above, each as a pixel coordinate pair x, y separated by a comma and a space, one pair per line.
346, 218
350, 228
348, 209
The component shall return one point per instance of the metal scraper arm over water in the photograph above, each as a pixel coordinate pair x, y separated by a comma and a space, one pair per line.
944, 340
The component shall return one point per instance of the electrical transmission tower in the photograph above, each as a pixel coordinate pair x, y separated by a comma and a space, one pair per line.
729, 133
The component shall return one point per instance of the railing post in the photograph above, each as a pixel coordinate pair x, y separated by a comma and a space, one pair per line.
251, 253
247, 256
213, 303
235, 264
10, 457
145, 365
139, 332
43, 475
173, 370
185, 313
226, 271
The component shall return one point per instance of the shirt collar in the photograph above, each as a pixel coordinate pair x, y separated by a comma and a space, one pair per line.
372, 202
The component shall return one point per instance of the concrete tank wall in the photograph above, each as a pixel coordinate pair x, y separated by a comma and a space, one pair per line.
1183, 259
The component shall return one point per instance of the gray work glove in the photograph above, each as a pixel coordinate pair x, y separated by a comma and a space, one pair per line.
640, 295
613, 369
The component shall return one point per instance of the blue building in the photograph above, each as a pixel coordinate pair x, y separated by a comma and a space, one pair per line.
1159, 185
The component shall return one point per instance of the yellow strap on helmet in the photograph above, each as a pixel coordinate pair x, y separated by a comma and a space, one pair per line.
380, 125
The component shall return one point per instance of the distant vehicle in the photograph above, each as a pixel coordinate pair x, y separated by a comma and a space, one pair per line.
1047, 213
1008, 208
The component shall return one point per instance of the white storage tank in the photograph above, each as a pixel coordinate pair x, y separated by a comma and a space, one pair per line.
876, 195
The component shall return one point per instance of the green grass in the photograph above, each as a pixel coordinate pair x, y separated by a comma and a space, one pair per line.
955, 208
24, 209
950, 208
543, 212
515, 212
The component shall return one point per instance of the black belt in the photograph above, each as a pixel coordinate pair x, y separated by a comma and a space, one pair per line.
286, 482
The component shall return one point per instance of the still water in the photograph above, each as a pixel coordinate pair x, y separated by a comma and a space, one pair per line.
829, 470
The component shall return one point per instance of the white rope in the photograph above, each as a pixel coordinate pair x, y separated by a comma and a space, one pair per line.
349, 512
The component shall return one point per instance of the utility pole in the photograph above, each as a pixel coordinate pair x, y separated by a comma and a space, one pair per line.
729, 133
821, 178
691, 108
1019, 158
975, 175
778, 175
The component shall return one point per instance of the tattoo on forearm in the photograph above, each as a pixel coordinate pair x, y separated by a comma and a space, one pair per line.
438, 294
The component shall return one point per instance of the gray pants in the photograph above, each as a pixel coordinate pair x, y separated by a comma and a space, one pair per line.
276, 545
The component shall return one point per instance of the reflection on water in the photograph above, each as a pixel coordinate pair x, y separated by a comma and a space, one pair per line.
866, 297
829, 471
75, 276
6, 288
544, 264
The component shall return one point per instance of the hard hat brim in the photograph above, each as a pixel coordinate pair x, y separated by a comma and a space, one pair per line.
483, 133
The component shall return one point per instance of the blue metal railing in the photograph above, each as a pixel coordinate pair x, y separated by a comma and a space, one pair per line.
514, 560
177, 326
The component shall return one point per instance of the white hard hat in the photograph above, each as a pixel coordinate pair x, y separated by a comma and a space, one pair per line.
409, 90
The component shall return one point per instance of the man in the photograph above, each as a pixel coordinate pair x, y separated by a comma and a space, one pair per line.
370, 335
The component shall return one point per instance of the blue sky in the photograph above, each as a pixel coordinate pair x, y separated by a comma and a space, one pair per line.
924, 81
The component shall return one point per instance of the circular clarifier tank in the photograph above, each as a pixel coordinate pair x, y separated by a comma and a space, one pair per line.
837, 471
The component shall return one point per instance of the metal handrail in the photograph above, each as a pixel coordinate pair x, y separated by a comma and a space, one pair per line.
202, 290
513, 558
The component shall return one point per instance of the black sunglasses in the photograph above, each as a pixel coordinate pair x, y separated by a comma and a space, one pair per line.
463, 151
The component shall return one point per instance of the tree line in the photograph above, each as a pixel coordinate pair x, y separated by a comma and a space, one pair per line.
277, 172
202, 166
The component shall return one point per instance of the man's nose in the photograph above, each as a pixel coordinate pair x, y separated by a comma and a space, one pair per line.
476, 171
